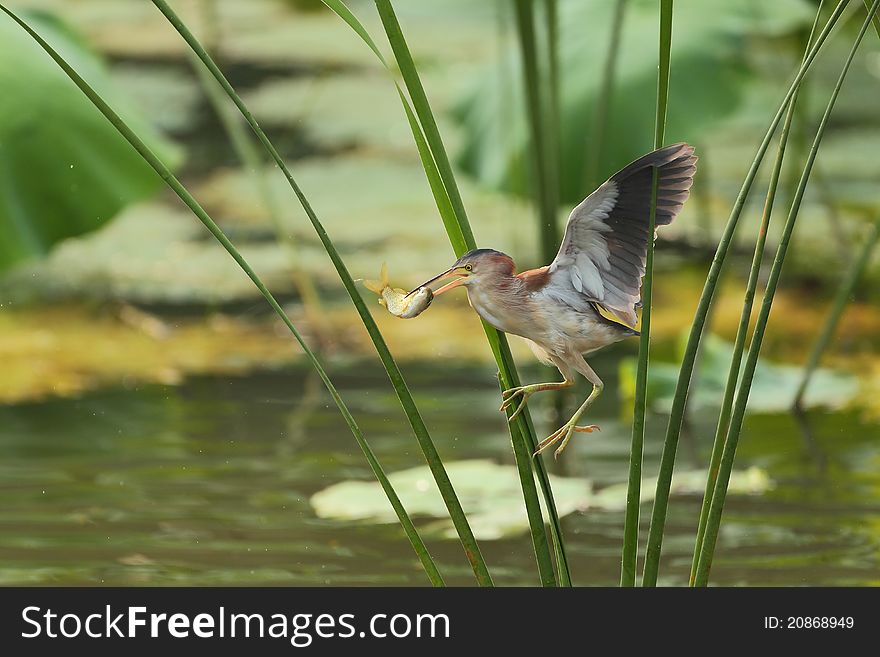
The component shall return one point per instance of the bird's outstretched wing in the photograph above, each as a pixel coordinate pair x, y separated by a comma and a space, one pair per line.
602, 256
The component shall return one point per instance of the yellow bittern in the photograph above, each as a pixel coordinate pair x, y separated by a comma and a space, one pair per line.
600, 265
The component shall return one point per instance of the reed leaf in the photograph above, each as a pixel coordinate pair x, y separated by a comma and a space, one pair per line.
552, 117
634, 485
462, 240
169, 178
876, 17
841, 298
844, 291
456, 513
745, 316
250, 156
719, 493
542, 169
552, 129
676, 417
522, 431
606, 94
413, 83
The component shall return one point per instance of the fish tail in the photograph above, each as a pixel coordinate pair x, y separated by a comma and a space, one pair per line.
373, 286
381, 284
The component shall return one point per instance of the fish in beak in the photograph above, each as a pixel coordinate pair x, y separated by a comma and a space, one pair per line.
461, 272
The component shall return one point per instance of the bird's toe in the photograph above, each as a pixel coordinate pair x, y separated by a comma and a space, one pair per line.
510, 393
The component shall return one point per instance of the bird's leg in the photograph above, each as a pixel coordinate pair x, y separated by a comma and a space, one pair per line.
510, 396
567, 430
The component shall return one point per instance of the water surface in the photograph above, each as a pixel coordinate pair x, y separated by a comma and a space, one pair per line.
208, 483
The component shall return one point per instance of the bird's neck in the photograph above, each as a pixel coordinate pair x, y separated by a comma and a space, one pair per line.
501, 303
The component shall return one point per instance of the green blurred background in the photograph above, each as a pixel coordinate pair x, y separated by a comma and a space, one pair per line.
158, 425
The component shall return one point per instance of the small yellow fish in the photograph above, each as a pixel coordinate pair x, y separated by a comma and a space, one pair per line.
397, 301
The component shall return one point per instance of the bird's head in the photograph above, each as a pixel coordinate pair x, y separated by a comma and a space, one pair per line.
477, 267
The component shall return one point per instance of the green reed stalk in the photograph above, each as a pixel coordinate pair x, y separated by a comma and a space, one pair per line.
820, 184
841, 298
542, 169
745, 316
169, 178
522, 432
676, 417
249, 155
460, 232
844, 291
553, 131
876, 17
629, 554
453, 505
462, 239
826, 196
552, 127
739, 342
719, 494
606, 95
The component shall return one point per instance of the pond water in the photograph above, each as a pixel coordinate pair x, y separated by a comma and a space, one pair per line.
208, 483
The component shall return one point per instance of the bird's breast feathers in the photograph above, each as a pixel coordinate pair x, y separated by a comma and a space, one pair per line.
506, 310
554, 325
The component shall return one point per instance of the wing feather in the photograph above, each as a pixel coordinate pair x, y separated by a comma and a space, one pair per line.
602, 256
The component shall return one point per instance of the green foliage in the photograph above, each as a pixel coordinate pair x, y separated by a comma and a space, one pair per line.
707, 297
629, 554
708, 60
64, 170
703, 561
438, 170
444, 188
542, 112
735, 369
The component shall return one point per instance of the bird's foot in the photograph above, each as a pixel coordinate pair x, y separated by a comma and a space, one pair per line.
509, 398
524, 392
564, 434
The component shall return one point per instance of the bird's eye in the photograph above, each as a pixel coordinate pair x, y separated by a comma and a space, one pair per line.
469, 267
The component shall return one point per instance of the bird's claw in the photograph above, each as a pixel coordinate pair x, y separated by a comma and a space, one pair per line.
589, 428
509, 398
564, 434
512, 392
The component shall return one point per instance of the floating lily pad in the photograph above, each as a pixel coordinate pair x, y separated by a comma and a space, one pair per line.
752, 481
492, 498
773, 388
323, 106
490, 494
150, 253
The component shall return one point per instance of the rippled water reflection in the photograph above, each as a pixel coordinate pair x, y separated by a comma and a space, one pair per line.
208, 483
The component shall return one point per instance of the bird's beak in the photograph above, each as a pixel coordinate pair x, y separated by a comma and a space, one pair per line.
450, 285
455, 271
